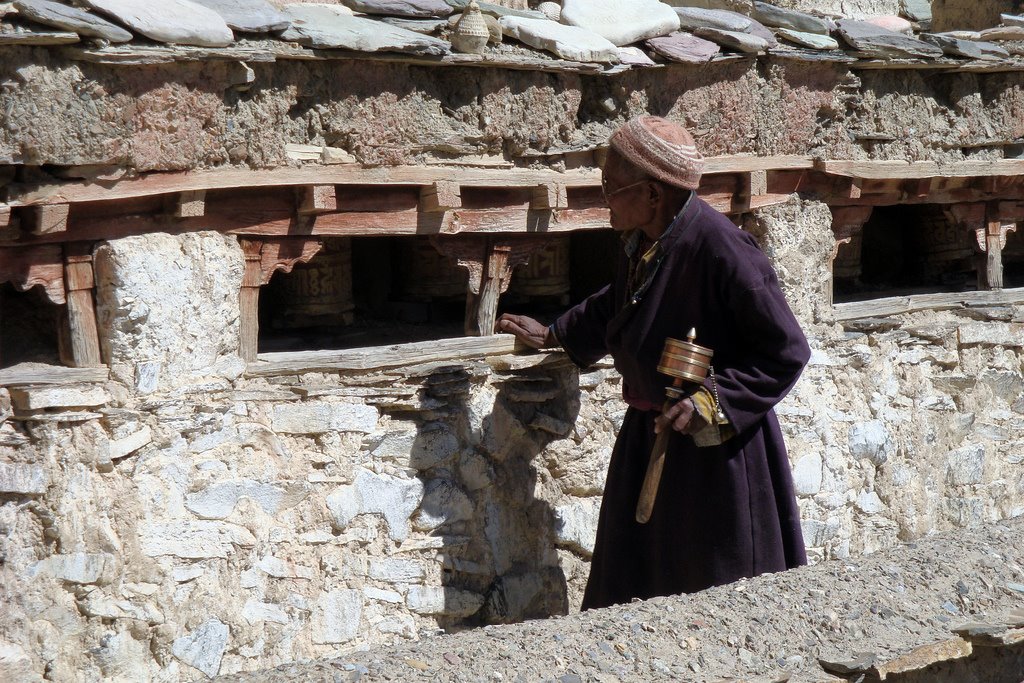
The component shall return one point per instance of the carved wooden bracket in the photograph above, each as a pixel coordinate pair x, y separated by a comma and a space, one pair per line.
490, 261
993, 234
847, 221
27, 267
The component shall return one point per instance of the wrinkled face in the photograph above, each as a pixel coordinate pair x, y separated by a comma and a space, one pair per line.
629, 199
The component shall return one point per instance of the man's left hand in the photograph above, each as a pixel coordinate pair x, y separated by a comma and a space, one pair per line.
682, 417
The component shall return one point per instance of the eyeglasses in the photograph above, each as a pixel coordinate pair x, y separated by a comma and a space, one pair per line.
608, 195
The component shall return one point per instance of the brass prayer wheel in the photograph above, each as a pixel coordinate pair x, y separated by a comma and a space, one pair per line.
685, 360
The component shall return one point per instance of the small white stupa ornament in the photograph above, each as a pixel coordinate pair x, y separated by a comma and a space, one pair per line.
470, 33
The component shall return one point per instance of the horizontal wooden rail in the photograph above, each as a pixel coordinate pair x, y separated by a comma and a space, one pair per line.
895, 305
19, 375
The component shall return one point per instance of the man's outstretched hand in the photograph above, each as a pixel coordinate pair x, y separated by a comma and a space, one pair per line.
527, 330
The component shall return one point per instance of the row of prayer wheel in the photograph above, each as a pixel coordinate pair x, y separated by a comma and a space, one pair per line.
319, 293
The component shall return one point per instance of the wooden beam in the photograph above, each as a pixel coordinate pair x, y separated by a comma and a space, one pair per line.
991, 239
921, 302
379, 357
249, 299
48, 219
549, 197
921, 169
20, 375
190, 204
441, 196
84, 334
317, 199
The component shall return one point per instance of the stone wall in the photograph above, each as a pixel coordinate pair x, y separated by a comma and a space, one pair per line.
183, 519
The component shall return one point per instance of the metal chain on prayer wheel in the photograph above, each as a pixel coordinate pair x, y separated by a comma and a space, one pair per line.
688, 364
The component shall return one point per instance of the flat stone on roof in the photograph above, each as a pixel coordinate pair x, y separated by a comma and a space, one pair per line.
882, 43
567, 42
248, 16
744, 42
326, 27
773, 15
180, 22
621, 21
691, 18
684, 47
71, 19
965, 48
811, 40
421, 9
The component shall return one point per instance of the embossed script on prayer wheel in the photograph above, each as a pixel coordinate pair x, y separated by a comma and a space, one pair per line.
685, 360
546, 273
319, 293
424, 274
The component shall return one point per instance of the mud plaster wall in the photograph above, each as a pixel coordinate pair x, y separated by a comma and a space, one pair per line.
183, 520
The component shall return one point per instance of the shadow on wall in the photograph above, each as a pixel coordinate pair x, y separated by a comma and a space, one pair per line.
499, 559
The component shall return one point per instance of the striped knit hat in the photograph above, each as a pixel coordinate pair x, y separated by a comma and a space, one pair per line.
661, 148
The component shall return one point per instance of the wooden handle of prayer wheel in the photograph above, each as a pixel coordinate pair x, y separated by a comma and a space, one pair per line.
653, 477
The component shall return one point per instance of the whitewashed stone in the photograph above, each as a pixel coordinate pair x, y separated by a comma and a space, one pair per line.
120, 448
71, 19
219, 500
576, 525
424, 9
869, 503
443, 503
100, 605
871, 440
744, 42
321, 26
23, 479
345, 504
621, 21
248, 16
336, 616
1011, 19
204, 647
168, 305
811, 40
392, 597
255, 611
82, 568
283, 569
966, 465
187, 573
394, 498
634, 56
193, 540
431, 445
395, 570
816, 533
807, 475
568, 42
318, 417
691, 18
169, 21
41, 397
1010, 335
451, 602
475, 471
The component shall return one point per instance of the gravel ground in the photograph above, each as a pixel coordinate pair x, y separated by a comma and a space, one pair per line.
773, 627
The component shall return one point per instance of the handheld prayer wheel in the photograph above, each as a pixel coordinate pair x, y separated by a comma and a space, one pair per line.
688, 365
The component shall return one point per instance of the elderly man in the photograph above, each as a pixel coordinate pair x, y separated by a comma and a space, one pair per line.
726, 507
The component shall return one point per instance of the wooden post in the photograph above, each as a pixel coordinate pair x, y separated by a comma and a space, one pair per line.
84, 340
190, 204
249, 300
991, 240
751, 184
550, 197
46, 219
317, 199
442, 196
482, 305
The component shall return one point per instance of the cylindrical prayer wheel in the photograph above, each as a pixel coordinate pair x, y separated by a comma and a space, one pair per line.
943, 243
423, 274
685, 360
546, 273
319, 293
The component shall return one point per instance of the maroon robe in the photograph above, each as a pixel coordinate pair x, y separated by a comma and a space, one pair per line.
722, 512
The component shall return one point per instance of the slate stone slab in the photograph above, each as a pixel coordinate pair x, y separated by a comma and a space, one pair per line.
71, 19
425, 26
634, 56
169, 21
812, 40
1003, 33
965, 48
691, 18
878, 42
1012, 20
621, 21
27, 37
421, 9
248, 16
498, 11
772, 15
743, 42
917, 10
323, 27
568, 42
684, 47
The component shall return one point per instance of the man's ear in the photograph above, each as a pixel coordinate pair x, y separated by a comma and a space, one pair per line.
655, 193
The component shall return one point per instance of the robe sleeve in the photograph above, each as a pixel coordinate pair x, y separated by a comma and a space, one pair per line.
771, 353
582, 329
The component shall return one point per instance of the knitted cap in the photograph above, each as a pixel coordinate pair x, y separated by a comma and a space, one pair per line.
662, 149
